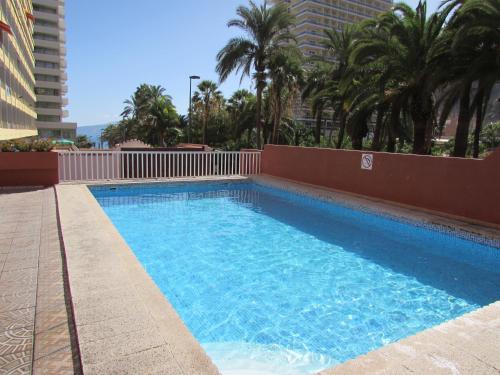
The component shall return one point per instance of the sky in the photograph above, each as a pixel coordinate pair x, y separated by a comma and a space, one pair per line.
115, 45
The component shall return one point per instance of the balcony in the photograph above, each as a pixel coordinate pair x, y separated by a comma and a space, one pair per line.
50, 85
46, 16
50, 71
50, 111
48, 44
46, 30
49, 58
49, 98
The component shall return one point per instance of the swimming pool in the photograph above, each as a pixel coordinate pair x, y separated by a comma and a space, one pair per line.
277, 282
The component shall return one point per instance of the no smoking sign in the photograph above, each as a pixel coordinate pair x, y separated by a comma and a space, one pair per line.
367, 162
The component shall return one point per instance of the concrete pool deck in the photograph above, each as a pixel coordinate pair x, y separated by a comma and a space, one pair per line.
124, 324
36, 324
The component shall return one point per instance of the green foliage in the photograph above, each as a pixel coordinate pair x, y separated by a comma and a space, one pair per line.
25, 146
150, 116
490, 136
266, 31
22, 146
7, 146
82, 141
42, 145
387, 84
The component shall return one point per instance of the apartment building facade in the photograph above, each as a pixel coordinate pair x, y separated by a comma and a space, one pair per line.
50, 70
314, 16
17, 97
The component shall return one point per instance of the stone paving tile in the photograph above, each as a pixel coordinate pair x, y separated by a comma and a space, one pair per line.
12, 300
52, 340
13, 319
36, 331
60, 363
5, 245
16, 340
16, 364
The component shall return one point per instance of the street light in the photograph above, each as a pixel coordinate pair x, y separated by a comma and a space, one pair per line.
190, 99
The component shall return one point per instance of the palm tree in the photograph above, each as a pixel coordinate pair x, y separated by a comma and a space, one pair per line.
474, 37
410, 46
266, 30
241, 109
338, 49
313, 90
286, 74
210, 98
149, 115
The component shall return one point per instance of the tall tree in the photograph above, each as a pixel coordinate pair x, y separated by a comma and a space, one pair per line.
266, 30
338, 48
286, 75
210, 98
313, 91
410, 46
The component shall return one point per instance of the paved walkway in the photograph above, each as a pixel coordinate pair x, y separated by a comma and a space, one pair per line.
35, 320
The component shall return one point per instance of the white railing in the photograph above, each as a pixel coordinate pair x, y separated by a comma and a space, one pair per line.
123, 165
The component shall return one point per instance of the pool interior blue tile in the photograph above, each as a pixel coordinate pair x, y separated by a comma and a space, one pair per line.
288, 278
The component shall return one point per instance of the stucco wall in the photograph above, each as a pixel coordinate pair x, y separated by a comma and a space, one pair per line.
28, 169
462, 187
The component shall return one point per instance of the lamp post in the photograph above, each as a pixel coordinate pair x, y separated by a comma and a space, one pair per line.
190, 99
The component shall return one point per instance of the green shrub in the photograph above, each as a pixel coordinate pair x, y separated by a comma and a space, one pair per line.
7, 146
41, 145
22, 146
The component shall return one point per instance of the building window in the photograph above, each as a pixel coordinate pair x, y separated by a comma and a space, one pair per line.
42, 36
44, 9
48, 105
49, 118
46, 51
46, 78
46, 91
46, 64
45, 23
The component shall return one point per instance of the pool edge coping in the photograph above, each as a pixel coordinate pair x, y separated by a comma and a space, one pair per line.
189, 356
433, 220
364, 360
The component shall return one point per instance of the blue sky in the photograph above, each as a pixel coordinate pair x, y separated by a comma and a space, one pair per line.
115, 45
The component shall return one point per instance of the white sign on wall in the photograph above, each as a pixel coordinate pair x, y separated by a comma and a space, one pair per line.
367, 162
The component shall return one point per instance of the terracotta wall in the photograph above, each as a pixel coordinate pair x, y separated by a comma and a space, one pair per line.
28, 169
462, 187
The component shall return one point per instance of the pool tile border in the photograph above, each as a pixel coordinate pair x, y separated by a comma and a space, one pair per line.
100, 264
415, 353
414, 216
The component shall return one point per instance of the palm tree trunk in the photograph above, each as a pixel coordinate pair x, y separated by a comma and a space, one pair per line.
278, 124
204, 130
258, 110
319, 120
378, 128
393, 127
342, 121
462, 134
277, 119
479, 124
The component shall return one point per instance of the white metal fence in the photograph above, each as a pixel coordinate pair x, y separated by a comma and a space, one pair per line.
123, 165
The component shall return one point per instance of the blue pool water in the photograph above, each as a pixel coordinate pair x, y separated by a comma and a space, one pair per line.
275, 282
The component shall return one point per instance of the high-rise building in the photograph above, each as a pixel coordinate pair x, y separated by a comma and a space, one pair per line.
50, 70
17, 97
314, 16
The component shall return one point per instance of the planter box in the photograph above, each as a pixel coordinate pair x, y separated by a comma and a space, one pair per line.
29, 168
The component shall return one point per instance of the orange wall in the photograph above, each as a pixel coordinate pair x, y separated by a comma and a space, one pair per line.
463, 187
28, 168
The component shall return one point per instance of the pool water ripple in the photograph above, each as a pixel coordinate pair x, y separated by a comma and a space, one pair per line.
261, 273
